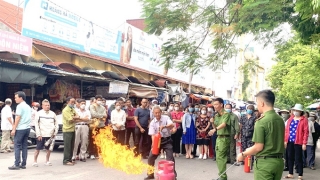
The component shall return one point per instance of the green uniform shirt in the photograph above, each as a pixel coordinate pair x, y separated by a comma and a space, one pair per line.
67, 115
269, 130
224, 118
234, 124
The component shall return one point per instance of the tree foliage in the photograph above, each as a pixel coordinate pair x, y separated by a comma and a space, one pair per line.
295, 75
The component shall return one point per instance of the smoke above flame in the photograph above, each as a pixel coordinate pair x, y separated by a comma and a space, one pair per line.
117, 156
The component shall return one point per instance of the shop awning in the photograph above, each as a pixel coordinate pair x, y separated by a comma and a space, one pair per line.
108, 74
142, 91
134, 79
162, 82
69, 67
18, 72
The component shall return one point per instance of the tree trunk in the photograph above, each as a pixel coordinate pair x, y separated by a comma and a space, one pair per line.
190, 81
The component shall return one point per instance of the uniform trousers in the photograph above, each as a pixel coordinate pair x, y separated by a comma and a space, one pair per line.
268, 168
232, 150
222, 149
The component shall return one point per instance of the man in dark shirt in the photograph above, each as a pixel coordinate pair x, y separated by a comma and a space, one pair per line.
142, 119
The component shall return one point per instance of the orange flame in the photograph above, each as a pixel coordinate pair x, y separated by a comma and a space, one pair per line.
117, 156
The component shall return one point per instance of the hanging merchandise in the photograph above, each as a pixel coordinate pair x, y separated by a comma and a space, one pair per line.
174, 89
60, 90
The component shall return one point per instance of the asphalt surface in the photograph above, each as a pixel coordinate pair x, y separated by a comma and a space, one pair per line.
187, 169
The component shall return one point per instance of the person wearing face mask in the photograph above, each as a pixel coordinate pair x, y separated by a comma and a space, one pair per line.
247, 128
171, 107
285, 116
315, 135
197, 109
34, 110
176, 116
69, 118
203, 139
296, 138
234, 134
82, 132
189, 131
98, 113
310, 144
118, 120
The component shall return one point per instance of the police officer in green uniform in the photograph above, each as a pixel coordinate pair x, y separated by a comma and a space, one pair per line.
222, 126
268, 138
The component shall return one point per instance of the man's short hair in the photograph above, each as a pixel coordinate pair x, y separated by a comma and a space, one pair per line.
21, 94
163, 104
228, 104
127, 100
45, 101
78, 100
82, 100
220, 100
267, 96
68, 99
157, 107
98, 97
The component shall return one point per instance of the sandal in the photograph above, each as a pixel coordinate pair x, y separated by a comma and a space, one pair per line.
187, 156
300, 177
68, 164
191, 156
288, 177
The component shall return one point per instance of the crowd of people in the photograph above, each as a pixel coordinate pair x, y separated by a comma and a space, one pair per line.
188, 131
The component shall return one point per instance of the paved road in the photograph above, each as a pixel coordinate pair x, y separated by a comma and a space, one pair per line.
93, 170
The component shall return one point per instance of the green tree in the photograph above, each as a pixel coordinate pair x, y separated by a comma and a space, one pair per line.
295, 76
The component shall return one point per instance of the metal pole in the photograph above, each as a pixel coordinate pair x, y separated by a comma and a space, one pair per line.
81, 90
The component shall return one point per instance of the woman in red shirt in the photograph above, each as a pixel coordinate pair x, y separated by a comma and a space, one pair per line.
296, 137
176, 116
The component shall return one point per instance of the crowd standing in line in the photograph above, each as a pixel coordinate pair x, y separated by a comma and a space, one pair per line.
190, 131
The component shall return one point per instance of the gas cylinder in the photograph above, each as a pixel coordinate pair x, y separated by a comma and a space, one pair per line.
247, 163
156, 144
166, 170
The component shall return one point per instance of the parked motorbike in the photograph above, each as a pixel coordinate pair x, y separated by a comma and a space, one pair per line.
32, 139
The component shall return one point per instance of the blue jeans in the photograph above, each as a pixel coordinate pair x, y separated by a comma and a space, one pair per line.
310, 156
21, 144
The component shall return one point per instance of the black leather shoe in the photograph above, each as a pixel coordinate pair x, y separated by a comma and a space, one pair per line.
23, 167
83, 160
14, 167
286, 169
150, 176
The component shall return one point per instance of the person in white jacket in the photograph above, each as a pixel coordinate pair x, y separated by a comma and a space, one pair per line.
118, 120
46, 126
6, 126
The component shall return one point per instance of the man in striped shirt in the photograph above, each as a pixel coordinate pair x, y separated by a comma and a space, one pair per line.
46, 127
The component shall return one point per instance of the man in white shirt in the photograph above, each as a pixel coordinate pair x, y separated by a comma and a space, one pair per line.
6, 126
46, 126
118, 120
82, 131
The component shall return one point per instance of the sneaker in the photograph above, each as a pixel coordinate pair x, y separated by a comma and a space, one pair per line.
35, 164
200, 156
23, 167
205, 156
162, 156
48, 163
92, 157
14, 167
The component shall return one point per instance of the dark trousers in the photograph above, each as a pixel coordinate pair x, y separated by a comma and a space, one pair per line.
129, 132
146, 142
194, 152
166, 145
310, 156
295, 155
68, 146
214, 142
93, 150
286, 158
232, 150
120, 136
176, 139
314, 148
183, 149
21, 146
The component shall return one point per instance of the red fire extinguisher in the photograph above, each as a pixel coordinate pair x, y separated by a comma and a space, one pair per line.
247, 164
156, 144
